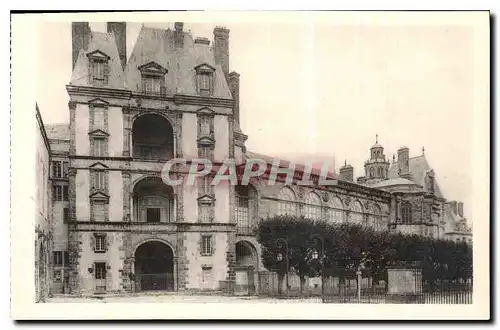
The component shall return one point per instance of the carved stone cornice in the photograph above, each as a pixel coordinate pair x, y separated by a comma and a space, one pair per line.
203, 101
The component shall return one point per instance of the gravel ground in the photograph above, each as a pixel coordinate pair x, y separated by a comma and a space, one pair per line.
178, 299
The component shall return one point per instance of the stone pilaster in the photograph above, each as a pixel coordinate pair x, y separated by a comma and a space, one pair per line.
127, 216
72, 127
127, 132
231, 257
182, 262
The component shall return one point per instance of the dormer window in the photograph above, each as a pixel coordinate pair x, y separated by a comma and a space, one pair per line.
205, 79
153, 79
98, 67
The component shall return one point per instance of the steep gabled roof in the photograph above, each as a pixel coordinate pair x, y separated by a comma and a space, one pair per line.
99, 43
418, 169
158, 45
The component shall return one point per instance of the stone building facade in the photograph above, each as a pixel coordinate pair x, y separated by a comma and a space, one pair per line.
119, 228
43, 223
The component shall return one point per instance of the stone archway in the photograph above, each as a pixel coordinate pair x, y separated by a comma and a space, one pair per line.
246, 268
154, 267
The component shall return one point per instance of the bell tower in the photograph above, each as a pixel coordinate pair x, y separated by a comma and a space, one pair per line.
377, 167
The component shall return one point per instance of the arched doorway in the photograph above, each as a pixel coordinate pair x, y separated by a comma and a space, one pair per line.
153, 201
246, 268
152, 138
154, 267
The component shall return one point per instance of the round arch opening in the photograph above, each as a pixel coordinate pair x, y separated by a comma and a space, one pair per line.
152, 137
154, 267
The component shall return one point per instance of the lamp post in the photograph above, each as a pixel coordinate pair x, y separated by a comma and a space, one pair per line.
316, 238
280, 242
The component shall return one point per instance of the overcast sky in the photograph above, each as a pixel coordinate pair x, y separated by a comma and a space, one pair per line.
324, 92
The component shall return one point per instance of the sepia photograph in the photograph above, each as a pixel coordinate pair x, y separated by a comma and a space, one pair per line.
326, 165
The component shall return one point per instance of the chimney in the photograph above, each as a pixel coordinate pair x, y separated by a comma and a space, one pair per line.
178, 34
453, 205
119, 29
460, 209
202, 41
221, 49
234, 87
346, 173
403, 161
80, 38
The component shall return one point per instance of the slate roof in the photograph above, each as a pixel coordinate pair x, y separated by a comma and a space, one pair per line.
316, 168
57, 131
418, 168
393, 182
106, 43
158, 45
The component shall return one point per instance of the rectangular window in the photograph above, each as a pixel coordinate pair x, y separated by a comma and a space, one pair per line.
100, 270
66, 258
207, 275
153, 214
65, 193
152, 84
65, 214
205, 128
99, 211
204, 82
56, 169
98, 70
99, 147
65, 169
241, 212
99, 118
58, 258
100, 243
206, 245
57, 193
204, 215
100, 177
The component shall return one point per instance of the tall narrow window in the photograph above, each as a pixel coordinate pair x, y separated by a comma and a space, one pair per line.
56, 169
206, 245
204, 83
100, 180
205, 79
204, 213
57, 193
406, 213
99, 147
242, 208
99, 70
100, 270
100, 243
99, 118
312, 208
65, 193
57, 258
287, 205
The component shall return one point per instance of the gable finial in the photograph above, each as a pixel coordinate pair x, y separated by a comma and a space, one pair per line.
345, 162
376, 138
423, 151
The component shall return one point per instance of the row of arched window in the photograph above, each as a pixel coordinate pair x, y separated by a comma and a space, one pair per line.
335, 211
